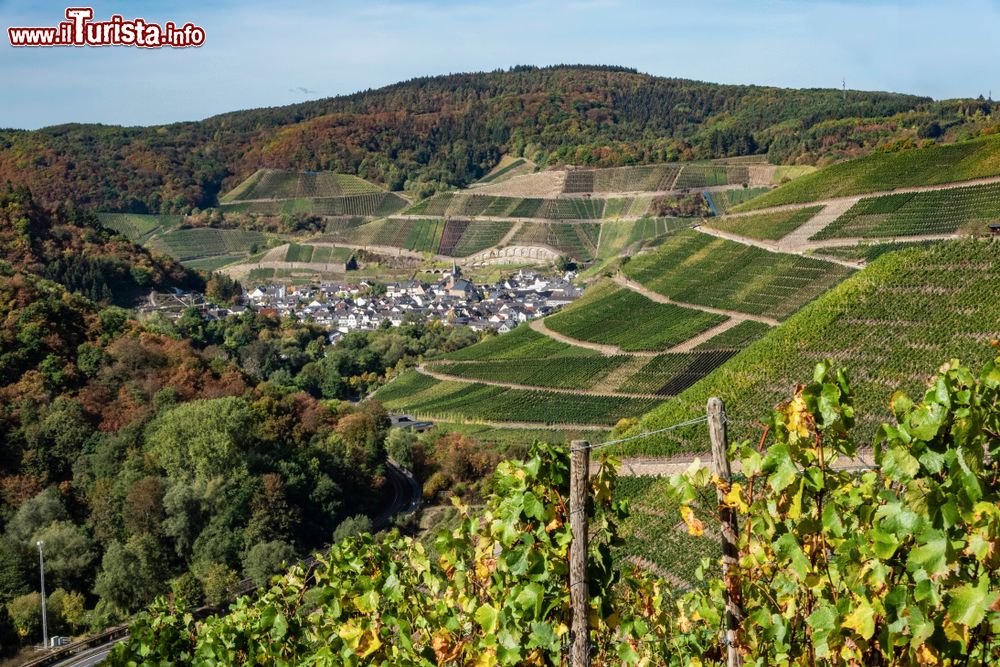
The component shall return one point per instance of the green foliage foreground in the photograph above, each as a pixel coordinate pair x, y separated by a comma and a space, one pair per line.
837, 567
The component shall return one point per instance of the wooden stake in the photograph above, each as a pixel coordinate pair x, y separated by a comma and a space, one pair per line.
727, 518
579, 477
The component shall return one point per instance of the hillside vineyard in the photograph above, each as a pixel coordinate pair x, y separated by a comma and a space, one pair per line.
321, 384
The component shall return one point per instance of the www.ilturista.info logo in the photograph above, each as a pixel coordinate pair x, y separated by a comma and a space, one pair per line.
81, 30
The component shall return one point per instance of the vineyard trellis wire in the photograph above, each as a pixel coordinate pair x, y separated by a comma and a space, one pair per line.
579, 648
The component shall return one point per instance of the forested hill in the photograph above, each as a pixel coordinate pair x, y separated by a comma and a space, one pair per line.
68, 245
449, 130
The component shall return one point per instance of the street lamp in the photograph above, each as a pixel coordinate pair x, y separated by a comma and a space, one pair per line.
45, 621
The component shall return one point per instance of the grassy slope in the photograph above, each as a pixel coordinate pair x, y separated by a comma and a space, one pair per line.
886, 171
891, 325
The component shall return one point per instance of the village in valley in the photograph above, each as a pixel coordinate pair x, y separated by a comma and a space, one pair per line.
368, 305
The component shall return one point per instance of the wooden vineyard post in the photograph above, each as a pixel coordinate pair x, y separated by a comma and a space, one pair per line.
579, 478
727, 520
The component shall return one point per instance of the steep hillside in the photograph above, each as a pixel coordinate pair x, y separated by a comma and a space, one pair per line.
904, 167
451, 130
71, 247
889, 325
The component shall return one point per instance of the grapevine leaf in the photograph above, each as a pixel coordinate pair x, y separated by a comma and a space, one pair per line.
787, 548
969, 603
861, 620
486, 616
785, 472
899, 465
823, 622
931, 555
533, 507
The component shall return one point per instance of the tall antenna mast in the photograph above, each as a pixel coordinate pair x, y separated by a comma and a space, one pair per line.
843, 84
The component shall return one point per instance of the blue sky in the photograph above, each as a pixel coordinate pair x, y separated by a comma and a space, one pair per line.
271, 53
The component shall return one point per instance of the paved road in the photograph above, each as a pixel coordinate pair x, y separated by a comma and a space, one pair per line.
89, 658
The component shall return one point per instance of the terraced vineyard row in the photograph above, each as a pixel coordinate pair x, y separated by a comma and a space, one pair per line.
476, 236
317, 254
137, 227
622, 237
503, 171
639, 206
697, 268
670, 374
461, 401
913, 214
343, 223
880, 172
890, 326
614, 208
561, 372
434, 205
275, 184
456, 238
723, 200
736, 338
765, 226
622, 179
299, 253
611, 315
654, 178
565, 208
872, 251
701, 176
577, 240
375, 204
416, 235
655, 532
185, 244
521, 343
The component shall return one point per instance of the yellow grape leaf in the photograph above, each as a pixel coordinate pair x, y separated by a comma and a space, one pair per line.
796, 419
487, 658
694, 524
861, 620
735, 497
373, 644
926, 655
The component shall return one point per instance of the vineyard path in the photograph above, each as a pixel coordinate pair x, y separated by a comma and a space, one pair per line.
833, 200
799, 237
659, 298
508, 236
771, 246
607, 350
664, 466
444, 377
620, 375
705, 336
855, 240
807, 248
542, 426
